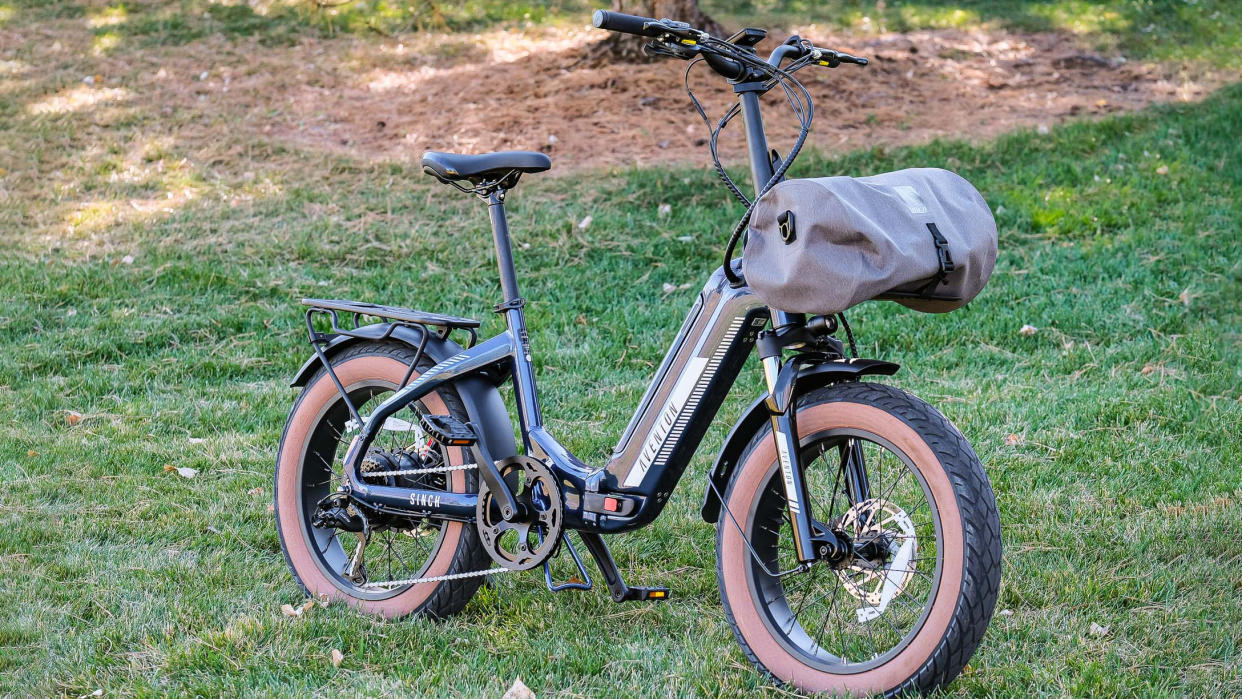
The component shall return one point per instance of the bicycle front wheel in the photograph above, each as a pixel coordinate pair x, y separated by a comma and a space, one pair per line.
908, 609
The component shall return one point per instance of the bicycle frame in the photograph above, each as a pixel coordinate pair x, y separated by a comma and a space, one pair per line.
669, 423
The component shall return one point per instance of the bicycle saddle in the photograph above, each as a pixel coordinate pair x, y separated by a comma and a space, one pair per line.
447, 167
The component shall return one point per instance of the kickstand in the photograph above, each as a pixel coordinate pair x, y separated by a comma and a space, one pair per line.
620, 591
572, 584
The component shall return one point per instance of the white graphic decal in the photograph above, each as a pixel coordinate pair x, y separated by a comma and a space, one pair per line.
680, 405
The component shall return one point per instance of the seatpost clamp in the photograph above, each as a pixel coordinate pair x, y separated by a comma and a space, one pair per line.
509, 305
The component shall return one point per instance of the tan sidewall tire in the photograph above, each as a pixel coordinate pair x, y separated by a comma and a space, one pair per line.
753, 475
314, 400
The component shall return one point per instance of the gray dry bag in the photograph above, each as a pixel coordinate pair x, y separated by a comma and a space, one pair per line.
923, 237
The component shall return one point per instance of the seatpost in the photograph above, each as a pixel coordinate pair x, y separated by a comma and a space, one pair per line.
529, 412
504, 249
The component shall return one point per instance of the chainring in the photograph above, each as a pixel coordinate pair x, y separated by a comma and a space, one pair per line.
529, 541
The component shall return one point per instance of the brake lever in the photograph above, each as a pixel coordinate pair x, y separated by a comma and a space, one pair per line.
658, 48
668, 26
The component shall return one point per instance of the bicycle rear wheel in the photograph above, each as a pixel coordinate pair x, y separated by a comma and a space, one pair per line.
308, 469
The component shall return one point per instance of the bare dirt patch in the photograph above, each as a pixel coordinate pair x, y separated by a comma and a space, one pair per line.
104, 133
919, 86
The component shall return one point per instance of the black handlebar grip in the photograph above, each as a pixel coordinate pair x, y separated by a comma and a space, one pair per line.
626, 24
857, 60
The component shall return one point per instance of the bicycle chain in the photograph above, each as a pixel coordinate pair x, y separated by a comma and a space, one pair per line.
417, 471
434, 578
437, 578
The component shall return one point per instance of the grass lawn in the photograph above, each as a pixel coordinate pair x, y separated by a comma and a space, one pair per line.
1112, 435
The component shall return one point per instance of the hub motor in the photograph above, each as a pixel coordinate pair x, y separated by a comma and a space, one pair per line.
886, 547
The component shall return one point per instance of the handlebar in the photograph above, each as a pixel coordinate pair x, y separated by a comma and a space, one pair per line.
689, 42
626, 24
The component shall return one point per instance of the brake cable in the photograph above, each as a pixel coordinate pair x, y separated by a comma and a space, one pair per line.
787, 81
714, 133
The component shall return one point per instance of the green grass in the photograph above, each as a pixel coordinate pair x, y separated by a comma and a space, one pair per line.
1206, 32
1209, 31
1120, 508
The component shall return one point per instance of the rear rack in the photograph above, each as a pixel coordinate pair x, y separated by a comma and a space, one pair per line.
356, 311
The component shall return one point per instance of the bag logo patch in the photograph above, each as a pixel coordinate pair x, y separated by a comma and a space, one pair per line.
910, 197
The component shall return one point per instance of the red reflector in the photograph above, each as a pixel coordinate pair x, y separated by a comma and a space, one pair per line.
611, 504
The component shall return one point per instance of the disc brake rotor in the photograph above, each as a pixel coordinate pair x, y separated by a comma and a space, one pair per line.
877, 583
529, 541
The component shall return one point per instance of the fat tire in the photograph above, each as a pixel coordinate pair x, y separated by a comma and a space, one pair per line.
980, 528
450, 596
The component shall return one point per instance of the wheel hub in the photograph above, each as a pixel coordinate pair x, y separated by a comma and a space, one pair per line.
885, 549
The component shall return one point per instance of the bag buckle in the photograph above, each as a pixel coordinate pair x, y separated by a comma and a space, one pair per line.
785, 224
944, 259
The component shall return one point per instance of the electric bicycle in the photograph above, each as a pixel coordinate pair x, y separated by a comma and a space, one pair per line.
858, 541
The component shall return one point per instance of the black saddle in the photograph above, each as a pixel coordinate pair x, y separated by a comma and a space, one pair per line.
449, 167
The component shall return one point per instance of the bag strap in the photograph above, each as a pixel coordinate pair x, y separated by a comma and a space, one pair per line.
943, 257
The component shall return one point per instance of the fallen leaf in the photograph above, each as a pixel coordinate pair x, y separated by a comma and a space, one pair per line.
336, 656
1014, 440
519, 690
32, 453
169, 467
585, 223
73, 417
1097, 630
968, 670
1162, 170
255, 491
1028, 330
291, 611
1185, 297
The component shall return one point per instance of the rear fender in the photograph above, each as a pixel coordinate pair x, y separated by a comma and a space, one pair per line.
479, 394
807, 378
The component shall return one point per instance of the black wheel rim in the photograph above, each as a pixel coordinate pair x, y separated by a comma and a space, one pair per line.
814, 614
388, 555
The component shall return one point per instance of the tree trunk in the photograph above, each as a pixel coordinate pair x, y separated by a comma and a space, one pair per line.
627, 47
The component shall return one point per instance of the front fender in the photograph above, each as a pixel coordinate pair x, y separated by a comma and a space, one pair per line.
478, 394
808, 378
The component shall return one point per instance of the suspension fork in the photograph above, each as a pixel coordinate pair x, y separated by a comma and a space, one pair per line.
811, 543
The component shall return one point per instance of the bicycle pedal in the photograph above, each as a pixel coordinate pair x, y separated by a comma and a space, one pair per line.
448, 430
646, 594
